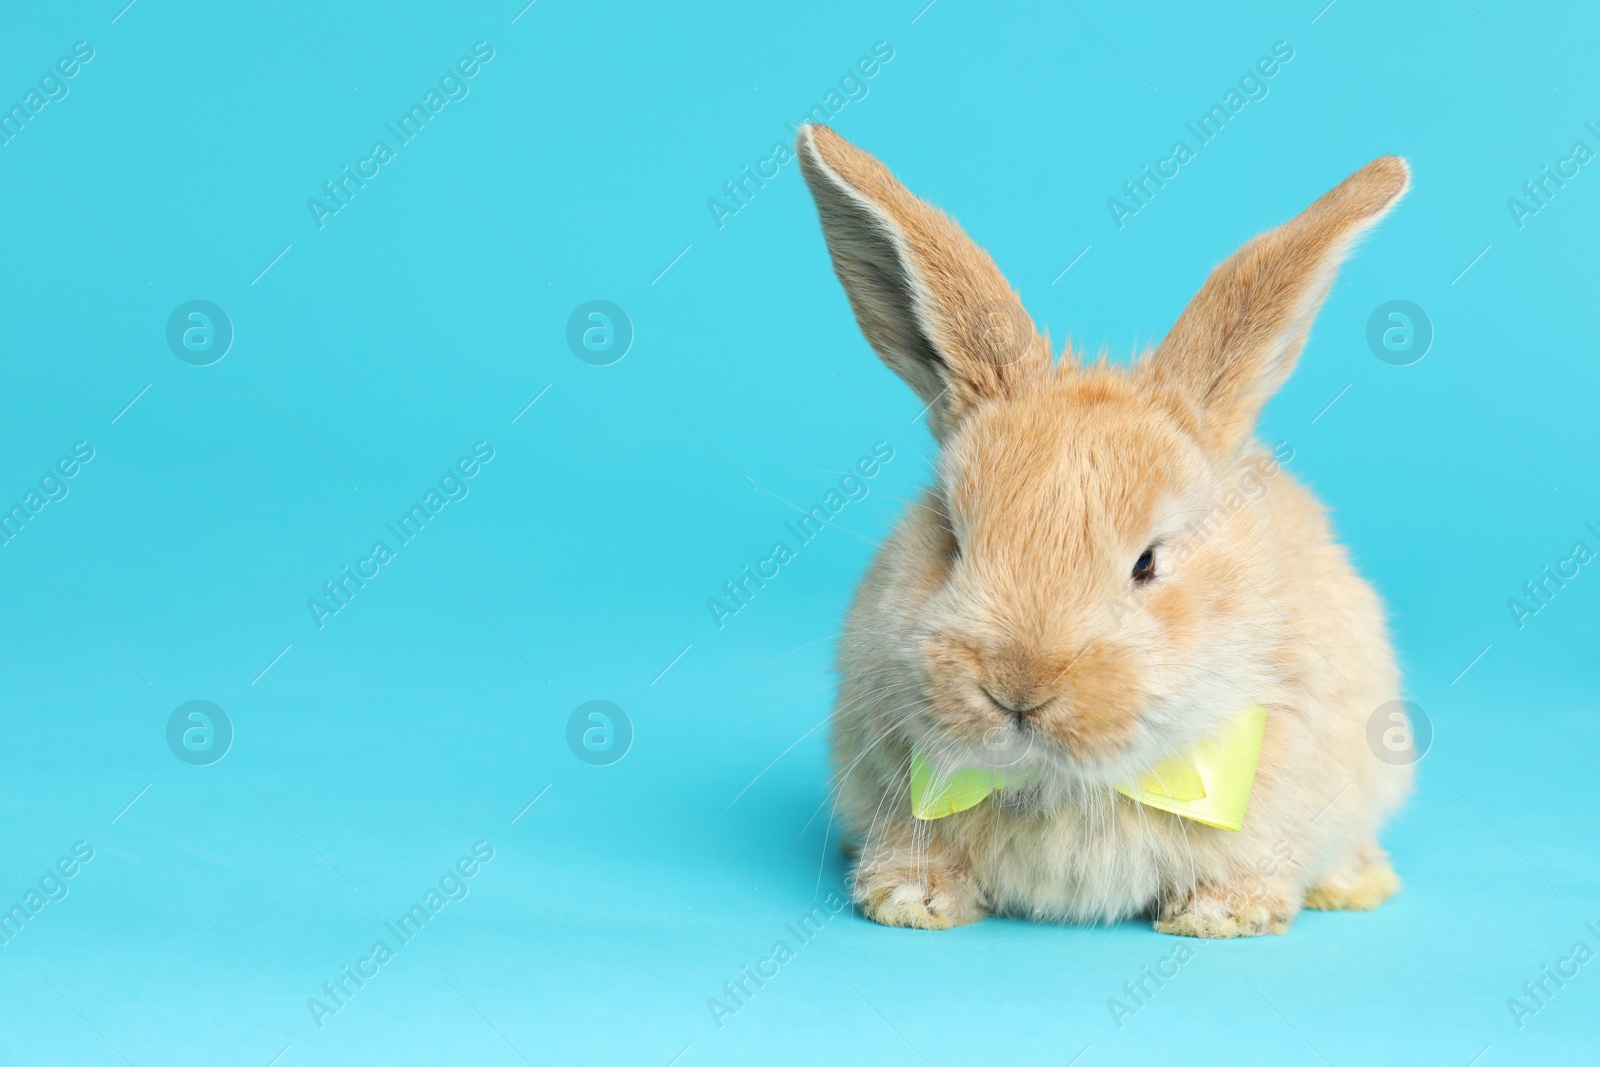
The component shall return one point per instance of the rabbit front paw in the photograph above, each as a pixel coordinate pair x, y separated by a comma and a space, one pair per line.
928, 898
1220, 911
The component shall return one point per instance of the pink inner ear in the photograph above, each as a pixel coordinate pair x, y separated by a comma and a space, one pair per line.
929, 300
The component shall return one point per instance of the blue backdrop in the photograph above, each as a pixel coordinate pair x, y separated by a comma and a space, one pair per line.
286, 282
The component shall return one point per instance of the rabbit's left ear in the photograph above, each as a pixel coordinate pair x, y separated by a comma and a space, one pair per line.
931, 302
1238, 339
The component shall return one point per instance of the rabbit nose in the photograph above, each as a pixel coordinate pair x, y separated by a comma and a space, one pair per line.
1019, 710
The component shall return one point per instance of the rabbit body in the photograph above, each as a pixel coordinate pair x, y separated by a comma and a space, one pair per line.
1108, 567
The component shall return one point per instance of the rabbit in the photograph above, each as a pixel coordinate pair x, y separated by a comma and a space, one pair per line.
1085, 590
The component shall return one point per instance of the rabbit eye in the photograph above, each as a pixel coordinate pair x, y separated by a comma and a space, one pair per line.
1144, 569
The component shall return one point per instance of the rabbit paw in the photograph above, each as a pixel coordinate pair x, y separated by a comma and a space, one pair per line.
1361, 888
924, 899
1220, 912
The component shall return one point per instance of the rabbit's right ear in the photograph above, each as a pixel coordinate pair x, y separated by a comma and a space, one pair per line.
932, 303
1238, 339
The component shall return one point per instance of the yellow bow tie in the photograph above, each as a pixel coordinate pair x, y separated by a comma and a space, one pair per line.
1210, 783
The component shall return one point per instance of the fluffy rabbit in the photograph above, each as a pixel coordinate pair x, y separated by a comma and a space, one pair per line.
1085, 591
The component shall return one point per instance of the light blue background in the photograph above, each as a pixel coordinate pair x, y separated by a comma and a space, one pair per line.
429, 312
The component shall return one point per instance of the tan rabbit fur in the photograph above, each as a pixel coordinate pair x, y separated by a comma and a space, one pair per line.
1004, 614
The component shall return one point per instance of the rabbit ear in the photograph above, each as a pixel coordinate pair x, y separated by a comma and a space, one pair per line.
931, 302
1238, 339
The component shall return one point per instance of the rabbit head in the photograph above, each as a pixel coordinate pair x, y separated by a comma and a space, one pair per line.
1057, 600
